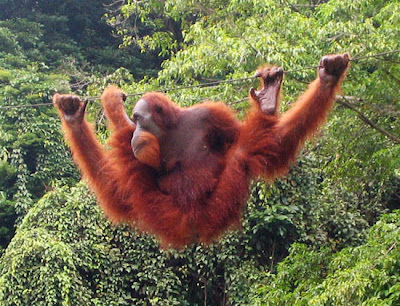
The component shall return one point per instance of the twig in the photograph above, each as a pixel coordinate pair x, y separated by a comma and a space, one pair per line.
238, 101
386, 253
343, 101
358, 58
392, 76
25, 105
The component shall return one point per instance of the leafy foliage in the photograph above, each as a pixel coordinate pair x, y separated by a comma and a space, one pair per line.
64, 252
32, 153
367, 274
73, 37
30, 140
65, 238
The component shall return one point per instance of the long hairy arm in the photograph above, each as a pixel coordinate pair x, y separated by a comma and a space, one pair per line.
310, 111
89, 155
272, 142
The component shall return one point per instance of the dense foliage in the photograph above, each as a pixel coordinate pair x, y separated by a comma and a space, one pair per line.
368, 274
65, 252
311, 237
73, 37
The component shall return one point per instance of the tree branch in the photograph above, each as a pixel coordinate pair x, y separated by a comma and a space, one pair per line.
344, 102
392, 76
387, 110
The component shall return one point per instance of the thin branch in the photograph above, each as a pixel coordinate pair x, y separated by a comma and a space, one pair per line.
25, 105
343, 101
292, 6
118, 3
305, 5
258, 52
358, 58
392, 76
392, 247
387, 110
238, 101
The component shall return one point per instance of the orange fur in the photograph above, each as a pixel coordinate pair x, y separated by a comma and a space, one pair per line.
201, 202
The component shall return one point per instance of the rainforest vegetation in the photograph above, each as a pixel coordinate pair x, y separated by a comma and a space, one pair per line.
328, 233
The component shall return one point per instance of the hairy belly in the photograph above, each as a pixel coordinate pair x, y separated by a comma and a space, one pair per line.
190, 187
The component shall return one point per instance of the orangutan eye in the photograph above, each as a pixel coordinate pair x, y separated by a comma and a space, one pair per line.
136, 118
